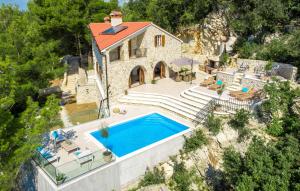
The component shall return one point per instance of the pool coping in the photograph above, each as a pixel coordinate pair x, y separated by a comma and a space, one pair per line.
101, 146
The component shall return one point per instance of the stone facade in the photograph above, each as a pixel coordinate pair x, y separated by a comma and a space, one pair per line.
118, 71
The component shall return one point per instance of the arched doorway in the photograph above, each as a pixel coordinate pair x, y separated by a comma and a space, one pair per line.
159, 71
137, 76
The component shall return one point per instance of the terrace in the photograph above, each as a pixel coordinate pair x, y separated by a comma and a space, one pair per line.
66, 166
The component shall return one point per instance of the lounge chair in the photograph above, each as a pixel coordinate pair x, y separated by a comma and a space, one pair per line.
246, 96
84, 156
216, 86
239, 92
57, 135
47, 154
207, 82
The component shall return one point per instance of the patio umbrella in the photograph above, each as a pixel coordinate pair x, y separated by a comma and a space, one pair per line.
183, 62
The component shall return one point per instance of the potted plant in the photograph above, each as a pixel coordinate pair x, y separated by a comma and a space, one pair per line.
60, 178
178, 77
107, 155
126, 92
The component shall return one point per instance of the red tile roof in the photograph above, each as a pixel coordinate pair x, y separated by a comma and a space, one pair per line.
104, 41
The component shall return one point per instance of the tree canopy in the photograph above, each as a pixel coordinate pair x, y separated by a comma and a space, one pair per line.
32, 43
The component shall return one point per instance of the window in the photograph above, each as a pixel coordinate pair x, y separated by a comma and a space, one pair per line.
159, 40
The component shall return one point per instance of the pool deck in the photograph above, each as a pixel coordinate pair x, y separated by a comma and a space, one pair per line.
84, 140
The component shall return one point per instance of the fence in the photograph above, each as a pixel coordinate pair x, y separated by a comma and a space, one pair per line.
230, 105
72, 169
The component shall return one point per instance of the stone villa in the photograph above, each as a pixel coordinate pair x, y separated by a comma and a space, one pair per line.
127, 54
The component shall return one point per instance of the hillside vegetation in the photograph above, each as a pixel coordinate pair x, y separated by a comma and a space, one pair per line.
253, 21
32, 43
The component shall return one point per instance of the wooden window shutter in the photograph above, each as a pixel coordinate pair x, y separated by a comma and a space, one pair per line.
129, 48
155, 41
163, 40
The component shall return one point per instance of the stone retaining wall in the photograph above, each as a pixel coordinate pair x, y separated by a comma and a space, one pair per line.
287, 71
227, 78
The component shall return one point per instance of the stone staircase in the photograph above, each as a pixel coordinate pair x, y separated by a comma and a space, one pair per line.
191, 104
236, 84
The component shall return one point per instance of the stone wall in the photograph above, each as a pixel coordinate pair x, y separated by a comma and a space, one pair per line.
286, 71
246, 81
227, 78
119, 71
88, 93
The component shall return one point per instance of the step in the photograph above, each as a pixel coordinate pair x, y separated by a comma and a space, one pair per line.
205, 95
193, 97
235, 83
182, 113
186, 103
162, 101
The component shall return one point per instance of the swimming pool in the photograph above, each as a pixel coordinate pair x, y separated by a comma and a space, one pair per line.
129, 136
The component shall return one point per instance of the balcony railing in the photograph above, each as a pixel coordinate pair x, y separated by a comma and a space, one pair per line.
138, 53
67, 171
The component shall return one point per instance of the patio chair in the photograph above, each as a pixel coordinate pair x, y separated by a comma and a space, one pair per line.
207, 82
216, 86
236, 93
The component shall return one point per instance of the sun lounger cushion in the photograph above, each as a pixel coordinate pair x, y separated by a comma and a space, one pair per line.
219, 82
245, 90
47, 154
57, 135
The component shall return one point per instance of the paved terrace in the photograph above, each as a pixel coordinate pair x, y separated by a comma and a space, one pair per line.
169, 87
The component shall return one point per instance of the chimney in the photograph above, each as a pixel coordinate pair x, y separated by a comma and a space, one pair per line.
106, 20
116, 18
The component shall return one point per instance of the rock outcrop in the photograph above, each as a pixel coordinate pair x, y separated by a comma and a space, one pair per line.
210, 38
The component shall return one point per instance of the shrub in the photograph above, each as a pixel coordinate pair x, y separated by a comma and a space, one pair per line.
153, 81
152, 177
240, 119
196, 141
239, 122
213, 123
275, 127
181, 178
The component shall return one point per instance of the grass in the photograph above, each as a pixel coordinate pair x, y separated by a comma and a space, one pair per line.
81, 113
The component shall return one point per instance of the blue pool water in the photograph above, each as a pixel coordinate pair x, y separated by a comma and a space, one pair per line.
135, 134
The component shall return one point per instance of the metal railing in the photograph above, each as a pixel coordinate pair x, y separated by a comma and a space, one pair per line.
65, 172
230, 105
203, 112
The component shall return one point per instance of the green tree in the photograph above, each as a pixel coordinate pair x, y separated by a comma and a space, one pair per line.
271, 166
